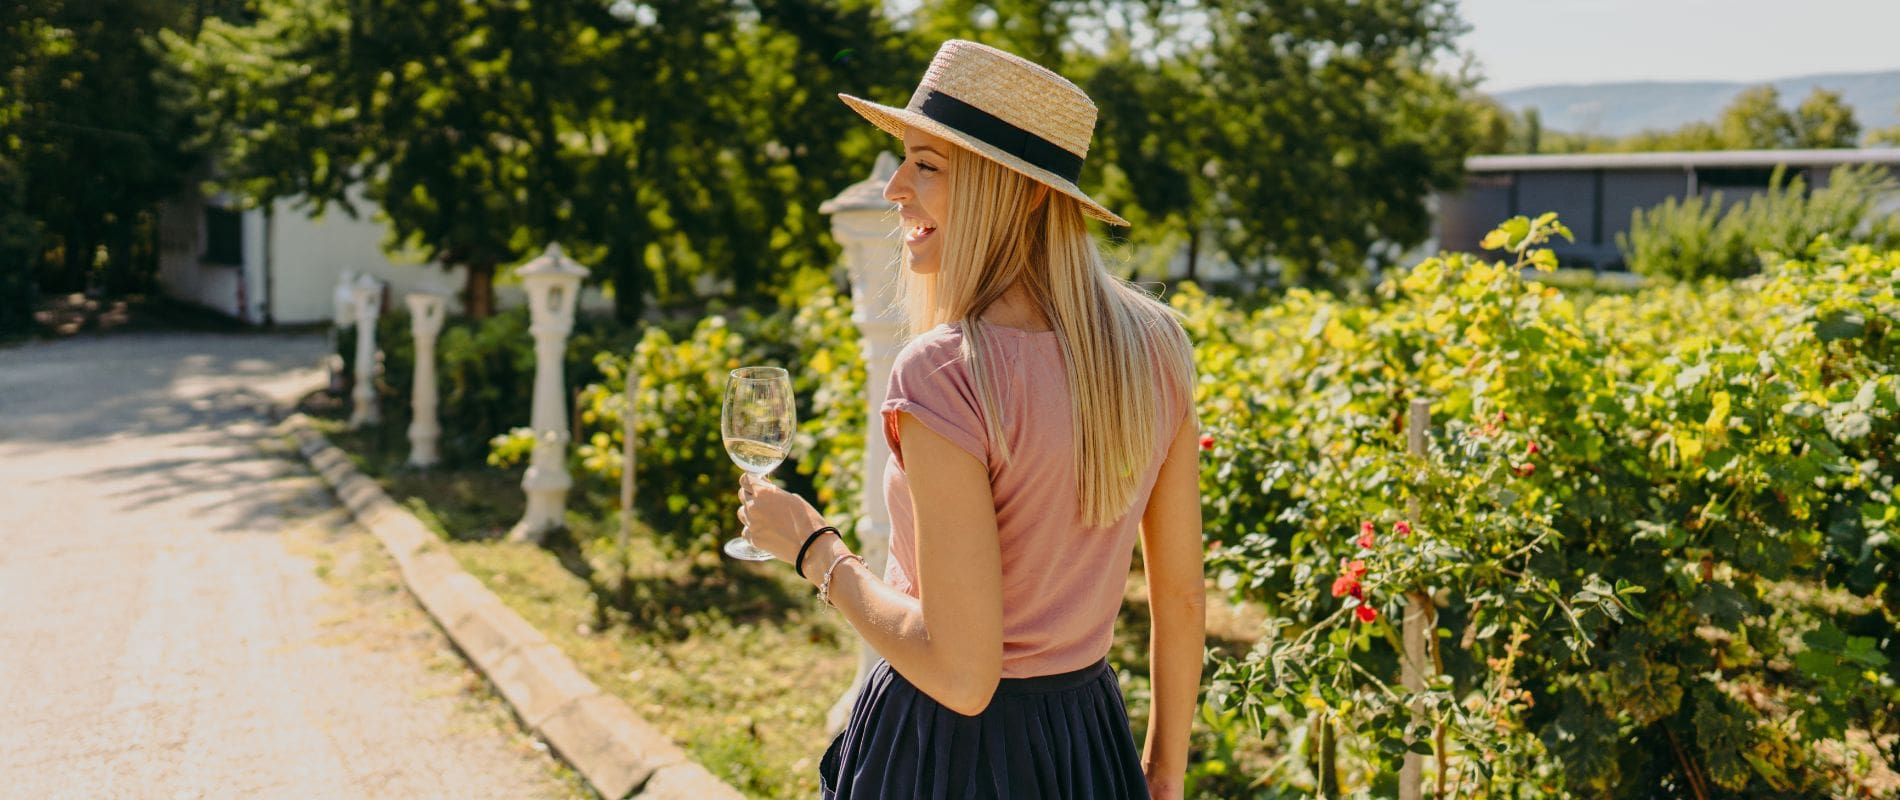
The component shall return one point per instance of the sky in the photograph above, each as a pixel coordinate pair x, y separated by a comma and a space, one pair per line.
1521, 43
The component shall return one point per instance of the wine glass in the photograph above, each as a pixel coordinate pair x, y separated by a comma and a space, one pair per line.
756, 423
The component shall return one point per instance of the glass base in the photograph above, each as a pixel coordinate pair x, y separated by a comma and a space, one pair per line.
743, 550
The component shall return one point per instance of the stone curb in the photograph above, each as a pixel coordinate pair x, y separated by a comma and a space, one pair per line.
620, 754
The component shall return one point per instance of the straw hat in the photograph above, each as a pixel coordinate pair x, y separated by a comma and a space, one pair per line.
1004, 108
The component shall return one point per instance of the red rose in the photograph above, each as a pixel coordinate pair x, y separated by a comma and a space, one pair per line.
1348, 581
1365, 540
1207, 441
1366, 613
1344, 585
1402, 528
1523, 470
1533, 449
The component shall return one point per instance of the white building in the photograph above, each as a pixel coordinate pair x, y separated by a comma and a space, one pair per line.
280, 267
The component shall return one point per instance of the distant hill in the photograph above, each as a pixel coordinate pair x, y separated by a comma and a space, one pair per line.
1620, 109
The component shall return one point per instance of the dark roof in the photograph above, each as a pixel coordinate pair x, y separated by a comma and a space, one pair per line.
1684, 160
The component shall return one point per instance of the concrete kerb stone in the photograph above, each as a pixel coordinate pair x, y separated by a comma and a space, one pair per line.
688, 781
538, 681
665, 772
618, 752
406, 536
490, 632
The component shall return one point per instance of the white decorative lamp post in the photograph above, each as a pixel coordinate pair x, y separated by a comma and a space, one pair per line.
553, 283
862, 223
343, 300
342, 316
367, 297
426, 311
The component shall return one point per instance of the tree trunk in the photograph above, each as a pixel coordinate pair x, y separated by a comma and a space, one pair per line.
629, 279
79, 254
478, 295
1194, 250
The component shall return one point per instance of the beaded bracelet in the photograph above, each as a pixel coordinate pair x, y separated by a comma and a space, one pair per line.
824, 586
798, 564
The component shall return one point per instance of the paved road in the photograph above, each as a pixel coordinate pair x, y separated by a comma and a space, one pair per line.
185, 613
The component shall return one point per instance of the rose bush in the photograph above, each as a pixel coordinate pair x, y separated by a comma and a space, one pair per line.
1655, 532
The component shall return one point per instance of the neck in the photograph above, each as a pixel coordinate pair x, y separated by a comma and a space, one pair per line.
1016, 309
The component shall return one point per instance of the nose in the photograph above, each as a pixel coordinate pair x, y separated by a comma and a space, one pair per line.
897, 189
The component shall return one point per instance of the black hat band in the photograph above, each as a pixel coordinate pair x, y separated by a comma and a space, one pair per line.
996, 132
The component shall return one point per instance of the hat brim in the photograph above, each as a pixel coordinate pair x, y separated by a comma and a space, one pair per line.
894, 120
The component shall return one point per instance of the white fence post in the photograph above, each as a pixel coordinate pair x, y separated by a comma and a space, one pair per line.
426, 314
366, 298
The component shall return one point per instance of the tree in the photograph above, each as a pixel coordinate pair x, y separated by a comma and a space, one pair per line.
1329, 128
19, 234
1146, 159
686, 141
1885, 137
1300, 137
1823, 120
90, 141
1755, 120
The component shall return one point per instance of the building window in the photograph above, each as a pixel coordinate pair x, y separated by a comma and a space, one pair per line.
224, 236
1745, 177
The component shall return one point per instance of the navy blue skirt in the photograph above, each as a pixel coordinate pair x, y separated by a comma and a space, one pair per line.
1053, 736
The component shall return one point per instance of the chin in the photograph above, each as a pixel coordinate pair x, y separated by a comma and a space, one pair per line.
921, 266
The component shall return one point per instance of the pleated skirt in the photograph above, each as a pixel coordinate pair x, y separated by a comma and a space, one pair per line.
1053, 736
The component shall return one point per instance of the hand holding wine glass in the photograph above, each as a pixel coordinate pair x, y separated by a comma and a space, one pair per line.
757, 423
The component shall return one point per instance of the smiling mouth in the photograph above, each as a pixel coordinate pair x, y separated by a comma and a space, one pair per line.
918, 233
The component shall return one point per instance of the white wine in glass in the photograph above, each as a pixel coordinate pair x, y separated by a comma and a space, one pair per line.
757, 423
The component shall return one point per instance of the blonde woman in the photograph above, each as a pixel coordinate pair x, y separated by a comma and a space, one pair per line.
1039, 424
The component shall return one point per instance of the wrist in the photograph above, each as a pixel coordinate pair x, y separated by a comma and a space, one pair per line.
823, 552
803, 556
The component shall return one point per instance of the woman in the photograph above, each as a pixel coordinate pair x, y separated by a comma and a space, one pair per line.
1039, 424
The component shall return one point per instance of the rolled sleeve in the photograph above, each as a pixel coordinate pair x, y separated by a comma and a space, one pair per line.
932, 382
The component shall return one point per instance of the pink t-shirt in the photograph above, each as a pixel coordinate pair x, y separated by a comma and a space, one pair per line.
1062, 581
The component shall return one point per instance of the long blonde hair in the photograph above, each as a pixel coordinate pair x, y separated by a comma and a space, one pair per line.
1004, 229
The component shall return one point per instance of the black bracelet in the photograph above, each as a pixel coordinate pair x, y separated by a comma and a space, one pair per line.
799, 564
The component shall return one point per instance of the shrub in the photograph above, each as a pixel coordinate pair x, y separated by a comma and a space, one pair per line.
686, 484
1656, 532
1692, 238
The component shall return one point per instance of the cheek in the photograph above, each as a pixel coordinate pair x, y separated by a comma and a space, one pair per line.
935, 198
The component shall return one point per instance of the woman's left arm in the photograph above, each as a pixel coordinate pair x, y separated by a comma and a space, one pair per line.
948, 641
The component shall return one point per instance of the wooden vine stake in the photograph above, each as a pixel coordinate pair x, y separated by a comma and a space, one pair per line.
1418, 628
626, 482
